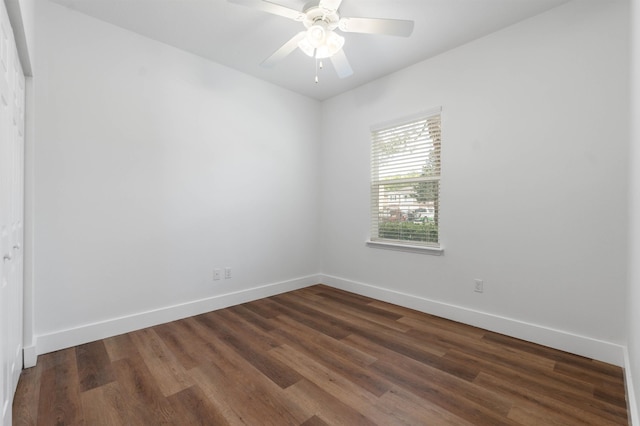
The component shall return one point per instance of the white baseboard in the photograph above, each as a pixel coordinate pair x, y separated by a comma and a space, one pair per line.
632, 405
29, 356
581, 345
90, 332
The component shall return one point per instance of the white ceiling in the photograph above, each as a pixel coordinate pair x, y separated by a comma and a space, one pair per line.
241, 38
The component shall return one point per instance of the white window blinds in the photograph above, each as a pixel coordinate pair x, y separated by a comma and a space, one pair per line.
405, 181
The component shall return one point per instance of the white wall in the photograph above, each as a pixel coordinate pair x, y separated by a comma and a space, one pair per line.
534, 184
633, 305
152, 167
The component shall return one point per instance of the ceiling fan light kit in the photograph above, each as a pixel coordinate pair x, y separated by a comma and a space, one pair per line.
321, 45
319, 40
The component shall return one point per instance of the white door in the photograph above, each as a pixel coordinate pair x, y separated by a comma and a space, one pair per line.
11, 214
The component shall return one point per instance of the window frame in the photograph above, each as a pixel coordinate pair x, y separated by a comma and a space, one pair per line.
374, 240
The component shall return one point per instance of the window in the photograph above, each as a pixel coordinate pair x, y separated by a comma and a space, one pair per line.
405, 183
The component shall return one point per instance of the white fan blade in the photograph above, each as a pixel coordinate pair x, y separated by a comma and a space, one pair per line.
330, 4
275, 9
395, 27
284, 51
341, 64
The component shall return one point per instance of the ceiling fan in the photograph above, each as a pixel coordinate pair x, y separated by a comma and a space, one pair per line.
320, 40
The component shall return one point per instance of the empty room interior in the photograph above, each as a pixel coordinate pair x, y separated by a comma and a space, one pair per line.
431, 217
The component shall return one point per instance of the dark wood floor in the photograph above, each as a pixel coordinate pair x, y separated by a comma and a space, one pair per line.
317, 356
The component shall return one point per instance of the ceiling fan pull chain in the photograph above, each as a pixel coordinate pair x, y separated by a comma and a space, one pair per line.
316, 70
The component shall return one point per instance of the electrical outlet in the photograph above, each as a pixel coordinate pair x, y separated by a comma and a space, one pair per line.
216, 274
227, 273
479, 286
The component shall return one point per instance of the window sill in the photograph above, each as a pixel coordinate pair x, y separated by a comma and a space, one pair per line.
434, 251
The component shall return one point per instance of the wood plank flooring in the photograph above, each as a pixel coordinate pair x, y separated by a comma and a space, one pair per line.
317, 356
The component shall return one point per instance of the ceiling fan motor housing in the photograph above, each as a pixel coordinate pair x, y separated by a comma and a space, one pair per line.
316, 15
